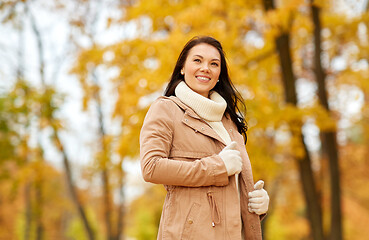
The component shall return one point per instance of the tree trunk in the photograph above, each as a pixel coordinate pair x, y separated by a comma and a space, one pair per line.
306, 174
107, 204
39, 179
39, 208
28, 212
310, 194
104, 164
27, 185
68, 173
120, 226
73, 192
40, 47
329, 143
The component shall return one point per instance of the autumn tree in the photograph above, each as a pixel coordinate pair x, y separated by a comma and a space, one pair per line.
283, 47
41, 108
329, 143
300, 66
257, 44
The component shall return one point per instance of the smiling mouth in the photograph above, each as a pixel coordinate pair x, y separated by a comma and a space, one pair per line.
203, 79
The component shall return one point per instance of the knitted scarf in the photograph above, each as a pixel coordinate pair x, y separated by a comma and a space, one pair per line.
210, 109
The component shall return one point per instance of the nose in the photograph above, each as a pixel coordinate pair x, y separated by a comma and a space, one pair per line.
205, 68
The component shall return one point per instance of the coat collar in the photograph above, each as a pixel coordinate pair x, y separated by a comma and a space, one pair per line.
194, 121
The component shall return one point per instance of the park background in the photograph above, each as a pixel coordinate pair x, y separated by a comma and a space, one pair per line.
77, 77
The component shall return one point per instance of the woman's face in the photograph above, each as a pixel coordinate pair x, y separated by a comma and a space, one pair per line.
202, 68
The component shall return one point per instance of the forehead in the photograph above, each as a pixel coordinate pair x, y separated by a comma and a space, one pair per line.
205, 50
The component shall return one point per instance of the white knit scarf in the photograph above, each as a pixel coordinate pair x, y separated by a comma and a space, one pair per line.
210, 109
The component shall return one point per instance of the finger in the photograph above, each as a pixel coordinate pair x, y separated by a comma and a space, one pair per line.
232, 146
256, 194
259, 211
235, 152
250, 210
255, 206
259, 185
256, 200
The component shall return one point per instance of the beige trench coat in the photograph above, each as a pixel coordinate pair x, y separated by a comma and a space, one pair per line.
179, 150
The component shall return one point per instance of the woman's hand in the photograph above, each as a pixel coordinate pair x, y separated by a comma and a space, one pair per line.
231, 158
258, 199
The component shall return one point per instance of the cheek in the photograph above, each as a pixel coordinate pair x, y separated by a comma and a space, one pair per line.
191, 69
187, 72
217, 73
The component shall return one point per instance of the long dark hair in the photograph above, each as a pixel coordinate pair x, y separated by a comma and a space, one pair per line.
224, 87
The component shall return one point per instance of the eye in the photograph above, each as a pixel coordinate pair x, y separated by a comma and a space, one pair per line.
215, 64
197, 60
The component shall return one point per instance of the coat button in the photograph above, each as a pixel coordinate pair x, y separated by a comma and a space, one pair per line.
186, 120
230, 130
203, 128
190, 221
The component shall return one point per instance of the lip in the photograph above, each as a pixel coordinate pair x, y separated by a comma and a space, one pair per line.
200, 78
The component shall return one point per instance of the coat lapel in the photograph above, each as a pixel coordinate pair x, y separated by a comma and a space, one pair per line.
201, 126
192, 120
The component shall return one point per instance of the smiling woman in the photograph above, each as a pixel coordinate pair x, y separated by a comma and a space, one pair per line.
191, 142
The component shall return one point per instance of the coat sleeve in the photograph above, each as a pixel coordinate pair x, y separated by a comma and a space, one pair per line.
155, 144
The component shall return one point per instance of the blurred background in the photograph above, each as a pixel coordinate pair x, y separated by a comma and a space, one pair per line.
77, 77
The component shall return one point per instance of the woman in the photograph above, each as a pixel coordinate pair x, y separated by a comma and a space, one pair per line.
191, 143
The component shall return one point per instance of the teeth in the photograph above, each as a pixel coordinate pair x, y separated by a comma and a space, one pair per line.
203, 78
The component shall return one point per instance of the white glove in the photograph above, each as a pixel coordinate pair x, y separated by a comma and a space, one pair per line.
258, 199
231, 158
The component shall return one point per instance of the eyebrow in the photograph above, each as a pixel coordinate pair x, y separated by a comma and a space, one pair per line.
214, 59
